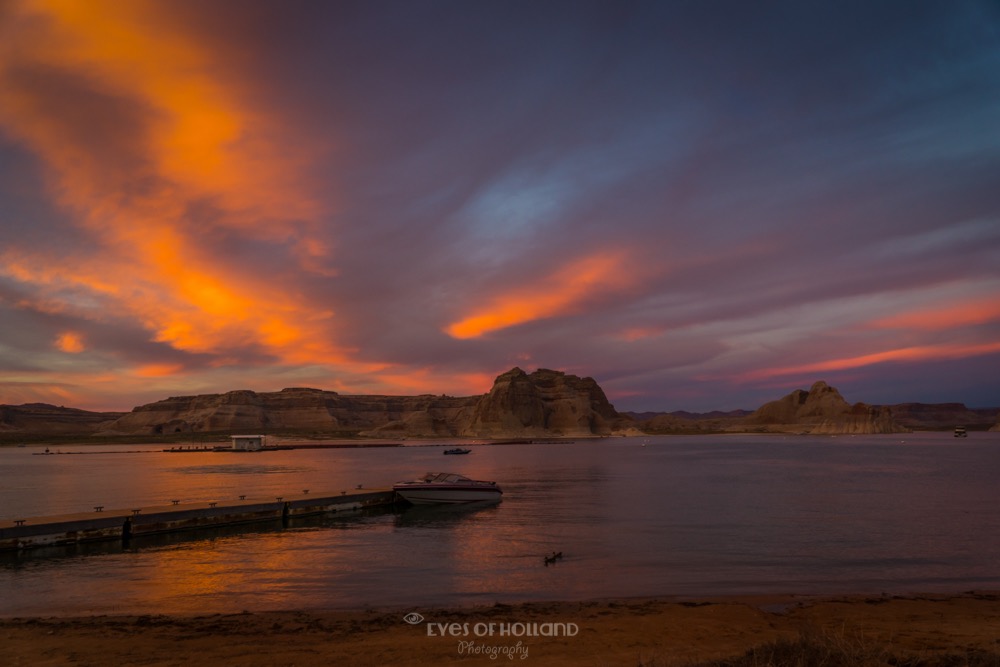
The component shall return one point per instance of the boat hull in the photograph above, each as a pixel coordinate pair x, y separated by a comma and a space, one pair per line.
437, 488
437, 496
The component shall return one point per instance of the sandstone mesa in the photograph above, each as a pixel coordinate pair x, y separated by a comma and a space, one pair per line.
542, 404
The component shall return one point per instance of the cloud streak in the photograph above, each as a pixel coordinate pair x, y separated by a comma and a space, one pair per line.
563, 292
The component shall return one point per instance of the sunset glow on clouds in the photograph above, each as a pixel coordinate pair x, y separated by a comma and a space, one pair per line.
701, 210
563, 292
192, 145
69, 342
923, 353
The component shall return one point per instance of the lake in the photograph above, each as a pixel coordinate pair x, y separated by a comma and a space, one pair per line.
675, 515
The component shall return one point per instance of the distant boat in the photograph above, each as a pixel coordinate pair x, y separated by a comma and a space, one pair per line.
447, 487
960, 432
457, 450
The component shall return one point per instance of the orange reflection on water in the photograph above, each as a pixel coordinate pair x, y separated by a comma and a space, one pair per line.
184, 583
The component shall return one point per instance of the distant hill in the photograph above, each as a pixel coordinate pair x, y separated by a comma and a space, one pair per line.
544, 403
944, 416
684, 414
910, 416
50, 419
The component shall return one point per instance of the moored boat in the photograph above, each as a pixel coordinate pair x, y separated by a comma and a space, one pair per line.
457, 450
960, 432
447, 487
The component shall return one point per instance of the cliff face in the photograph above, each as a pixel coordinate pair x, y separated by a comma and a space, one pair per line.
822, 410
293, 409
545, 402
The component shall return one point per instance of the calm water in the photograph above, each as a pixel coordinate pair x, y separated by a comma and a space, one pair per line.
698, 515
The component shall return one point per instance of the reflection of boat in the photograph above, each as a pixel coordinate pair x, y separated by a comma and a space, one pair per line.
441, 515
457, 450
960, 432
447, 487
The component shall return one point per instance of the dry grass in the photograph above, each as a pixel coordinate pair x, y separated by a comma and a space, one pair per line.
811, 649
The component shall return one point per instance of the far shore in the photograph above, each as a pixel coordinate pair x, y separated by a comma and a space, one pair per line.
277, 441
959, 629
208, 440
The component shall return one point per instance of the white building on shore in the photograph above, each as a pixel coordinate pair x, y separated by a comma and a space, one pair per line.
247, 443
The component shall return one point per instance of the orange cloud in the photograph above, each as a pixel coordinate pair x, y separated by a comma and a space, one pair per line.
639, 333
158, 370
70, 342
969, 313
427, 381
200, 135
561, 293
917, 353
198, 141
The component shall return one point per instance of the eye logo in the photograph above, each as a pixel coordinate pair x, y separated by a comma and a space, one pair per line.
413, 618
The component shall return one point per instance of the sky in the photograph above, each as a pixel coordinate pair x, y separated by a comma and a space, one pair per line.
702, 205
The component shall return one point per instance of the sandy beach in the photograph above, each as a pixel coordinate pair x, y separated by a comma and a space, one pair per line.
887, 630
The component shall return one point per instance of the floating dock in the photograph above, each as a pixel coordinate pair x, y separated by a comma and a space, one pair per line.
124, 524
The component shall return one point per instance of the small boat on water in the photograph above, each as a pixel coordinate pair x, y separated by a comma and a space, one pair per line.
447, 487
457, 450
960, 432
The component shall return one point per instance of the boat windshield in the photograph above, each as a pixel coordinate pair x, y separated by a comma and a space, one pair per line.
445, 477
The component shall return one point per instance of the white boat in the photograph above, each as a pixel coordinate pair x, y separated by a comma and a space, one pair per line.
447, 487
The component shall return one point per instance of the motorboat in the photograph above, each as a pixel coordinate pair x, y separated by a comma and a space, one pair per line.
457, 450
960, 432
447, 487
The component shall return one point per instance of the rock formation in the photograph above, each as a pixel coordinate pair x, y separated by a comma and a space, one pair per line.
545, 402
295, 409
821, 410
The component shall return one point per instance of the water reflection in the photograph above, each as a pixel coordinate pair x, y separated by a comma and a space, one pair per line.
241, 469
443, 516
195, 538
698, 516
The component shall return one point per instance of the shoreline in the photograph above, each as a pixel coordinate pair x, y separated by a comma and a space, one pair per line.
15, 439
682, 630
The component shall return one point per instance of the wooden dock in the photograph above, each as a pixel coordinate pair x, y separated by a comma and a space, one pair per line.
124, 524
